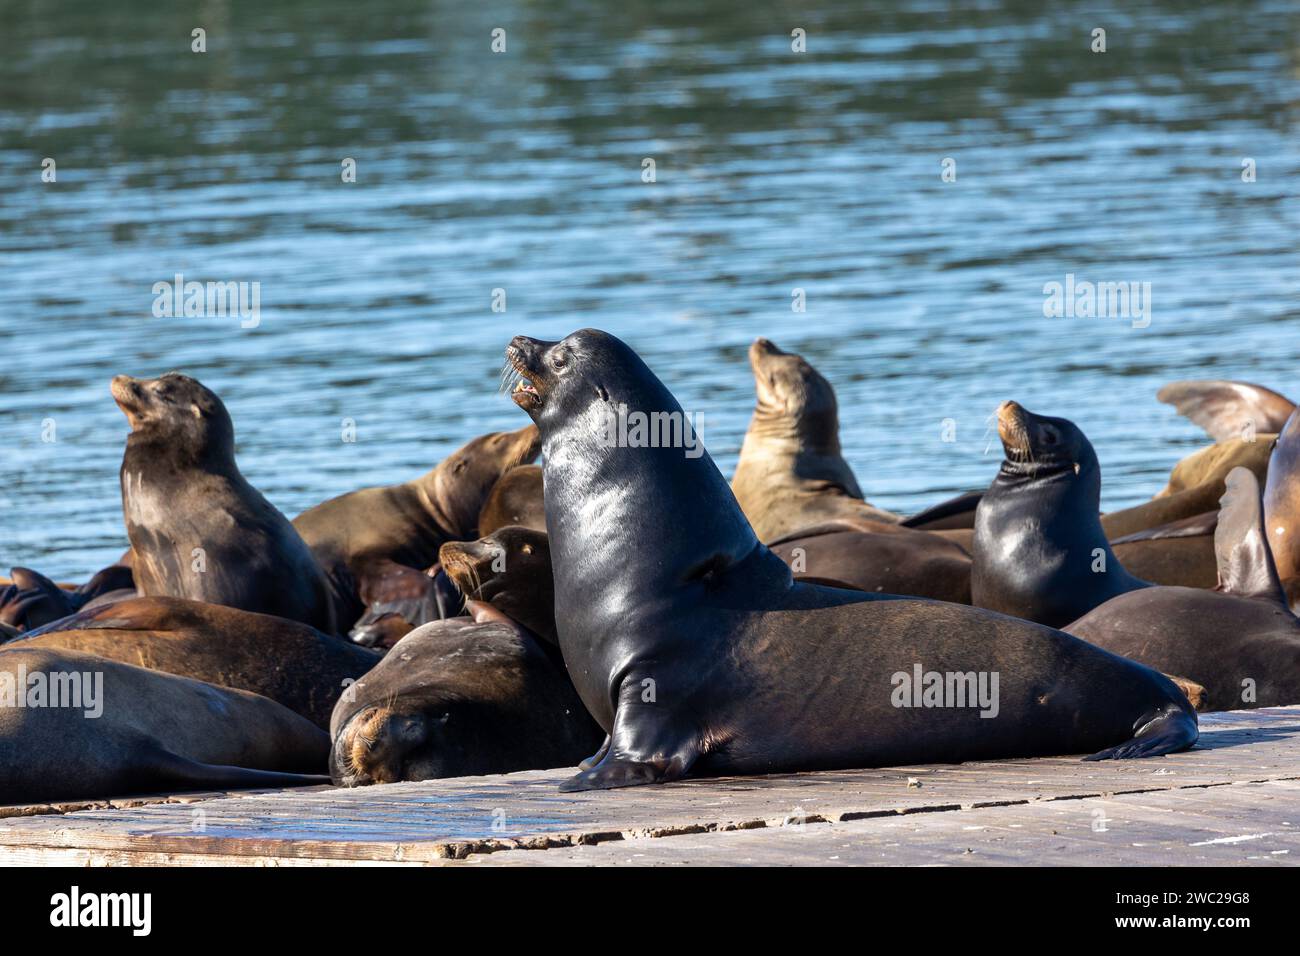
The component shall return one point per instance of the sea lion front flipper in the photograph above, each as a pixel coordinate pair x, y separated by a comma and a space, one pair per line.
645, 746
1167, 731
1241, 547
1224, 408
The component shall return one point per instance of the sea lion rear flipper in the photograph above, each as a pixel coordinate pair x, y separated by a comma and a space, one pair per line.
1170, 730
184, 773
1224, 408
1241, 547
644, 747
595, 758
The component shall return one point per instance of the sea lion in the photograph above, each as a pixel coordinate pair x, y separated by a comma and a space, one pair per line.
31, 600
791, 474
198, 529
288, 662
511, 570
1282, 507
457, 698
1040, 552
399, 599
914, 562
108, 729
359, 535
1228, 409
1240, 642
698, 652
515, 500
1211, 464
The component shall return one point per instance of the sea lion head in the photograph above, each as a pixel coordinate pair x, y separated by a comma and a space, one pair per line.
557, 382
1038, 447
461, 482
509, 569
377, 745
792, 396
176, 411
441, 703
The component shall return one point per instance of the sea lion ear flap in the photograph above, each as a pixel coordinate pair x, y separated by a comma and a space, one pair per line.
1241, 541
1225, 409
198, 412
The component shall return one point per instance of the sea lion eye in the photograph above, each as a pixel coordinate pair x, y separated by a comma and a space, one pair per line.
527, 549
559, 360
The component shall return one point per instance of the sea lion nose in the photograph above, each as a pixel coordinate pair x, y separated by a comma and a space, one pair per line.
124, 386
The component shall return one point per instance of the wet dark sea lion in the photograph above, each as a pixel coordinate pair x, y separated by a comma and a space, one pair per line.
698, 652
515, 500
511, 570
913, 563
356, 537
457, 698
198, 529
154, 732
791, 473
1040, 552
1241, 642
288, 662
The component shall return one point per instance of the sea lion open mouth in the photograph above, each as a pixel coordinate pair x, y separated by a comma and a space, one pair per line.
528, 387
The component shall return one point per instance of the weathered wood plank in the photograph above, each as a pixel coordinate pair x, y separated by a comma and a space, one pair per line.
445, 820
1248, 824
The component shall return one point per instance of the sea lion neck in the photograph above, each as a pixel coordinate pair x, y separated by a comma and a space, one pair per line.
154, 447
599, 493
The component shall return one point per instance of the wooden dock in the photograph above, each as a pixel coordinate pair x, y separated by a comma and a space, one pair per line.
1233, 800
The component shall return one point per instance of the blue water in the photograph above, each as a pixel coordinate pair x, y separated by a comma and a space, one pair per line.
523, 171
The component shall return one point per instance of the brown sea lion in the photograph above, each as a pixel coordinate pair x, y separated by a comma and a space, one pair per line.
913, 563
198, 529
289, 662
1282, 507
515, 500
509, 569
356, 537
1211, 464
457, 698
1240, 642
791, 474
399, 599
696, 650
74, 726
